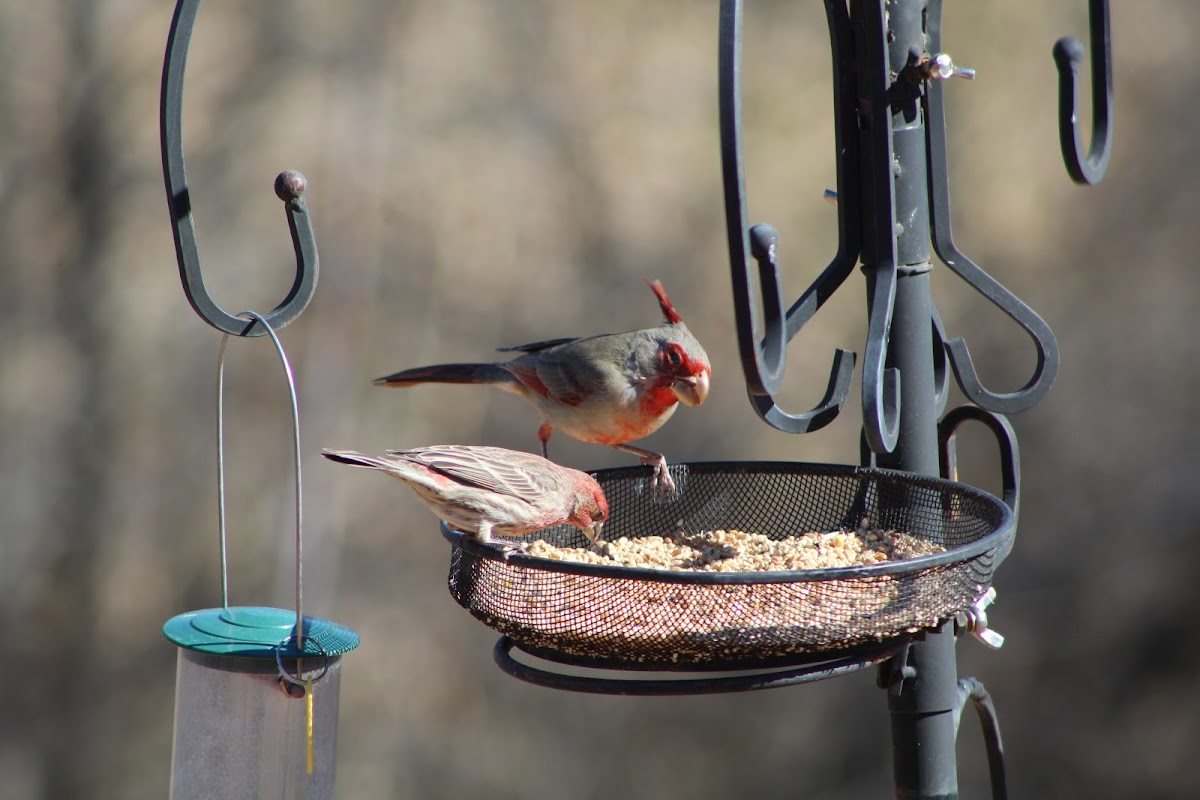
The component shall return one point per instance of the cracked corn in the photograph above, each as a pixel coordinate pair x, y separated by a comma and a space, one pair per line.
741, 551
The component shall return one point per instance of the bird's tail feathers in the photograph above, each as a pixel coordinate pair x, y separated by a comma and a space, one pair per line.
447, 373
356, 459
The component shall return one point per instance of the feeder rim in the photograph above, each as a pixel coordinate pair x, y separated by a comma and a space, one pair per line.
997, 539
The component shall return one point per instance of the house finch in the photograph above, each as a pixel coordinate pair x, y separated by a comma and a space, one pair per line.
478, 490
608, 389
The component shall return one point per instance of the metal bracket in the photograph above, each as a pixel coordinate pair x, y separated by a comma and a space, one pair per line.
895, 671
601, 681
973, 690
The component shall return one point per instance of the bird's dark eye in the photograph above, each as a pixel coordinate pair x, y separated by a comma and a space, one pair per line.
674, 356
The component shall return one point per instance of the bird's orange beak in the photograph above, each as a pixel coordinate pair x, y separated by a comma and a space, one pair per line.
691, 389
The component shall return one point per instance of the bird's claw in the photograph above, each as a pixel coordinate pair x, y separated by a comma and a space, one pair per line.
508, 547
662, 480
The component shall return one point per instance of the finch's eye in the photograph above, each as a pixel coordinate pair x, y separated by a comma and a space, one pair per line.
674, 356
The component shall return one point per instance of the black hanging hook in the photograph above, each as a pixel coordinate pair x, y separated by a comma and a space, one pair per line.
877, 86
289, 186
880, 383
763, 360
1068, 52
1006, 440
941, 387
1043, 338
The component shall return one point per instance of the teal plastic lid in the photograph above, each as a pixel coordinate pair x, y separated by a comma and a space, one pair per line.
256, 632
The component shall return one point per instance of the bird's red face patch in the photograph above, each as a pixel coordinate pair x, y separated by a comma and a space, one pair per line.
657, 399
676, 363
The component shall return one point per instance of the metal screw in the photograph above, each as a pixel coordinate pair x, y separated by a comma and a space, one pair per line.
941, 67
976, 622
989, 637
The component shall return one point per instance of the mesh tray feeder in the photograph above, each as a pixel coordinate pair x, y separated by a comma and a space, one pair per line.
616, 617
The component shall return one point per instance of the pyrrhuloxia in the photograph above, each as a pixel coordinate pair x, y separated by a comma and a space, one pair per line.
610, 389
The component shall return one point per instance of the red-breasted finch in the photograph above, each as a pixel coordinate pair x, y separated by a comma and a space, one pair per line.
608, 389
484, 490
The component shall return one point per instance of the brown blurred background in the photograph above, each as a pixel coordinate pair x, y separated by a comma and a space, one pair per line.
486, 174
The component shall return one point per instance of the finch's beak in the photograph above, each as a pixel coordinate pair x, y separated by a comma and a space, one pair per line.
691, 389
593, 532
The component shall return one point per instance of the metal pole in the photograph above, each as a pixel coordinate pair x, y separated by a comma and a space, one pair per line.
896, 238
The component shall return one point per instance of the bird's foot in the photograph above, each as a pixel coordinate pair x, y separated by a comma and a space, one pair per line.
508, 547
661, 480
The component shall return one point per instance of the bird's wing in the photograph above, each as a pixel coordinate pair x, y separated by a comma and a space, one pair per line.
505, 472
534, 347
569, 374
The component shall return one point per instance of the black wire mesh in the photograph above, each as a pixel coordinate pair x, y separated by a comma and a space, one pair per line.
632, 618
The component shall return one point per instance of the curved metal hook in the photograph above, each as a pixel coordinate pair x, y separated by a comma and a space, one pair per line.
763, 362
763, 244
768, 355
941, 388
1006, 439
943, 244
973, 690
880, 383
1068, 52
289, 186
941, 378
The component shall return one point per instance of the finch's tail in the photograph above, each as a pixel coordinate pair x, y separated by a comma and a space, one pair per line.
448, 373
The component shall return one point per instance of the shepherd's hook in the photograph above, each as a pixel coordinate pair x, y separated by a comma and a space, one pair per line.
289, 186
1068, 52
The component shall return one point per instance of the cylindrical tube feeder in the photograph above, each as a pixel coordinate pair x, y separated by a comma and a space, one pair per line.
254, 715
256, 694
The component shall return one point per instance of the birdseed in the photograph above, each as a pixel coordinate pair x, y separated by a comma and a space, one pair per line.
741, 551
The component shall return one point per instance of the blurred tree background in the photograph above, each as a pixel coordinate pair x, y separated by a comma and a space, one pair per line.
484, 174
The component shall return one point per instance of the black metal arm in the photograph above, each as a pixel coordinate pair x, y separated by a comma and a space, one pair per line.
973, 690
290, 187
943, 244
763, 360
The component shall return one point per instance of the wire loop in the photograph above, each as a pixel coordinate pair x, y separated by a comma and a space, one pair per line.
256, 318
